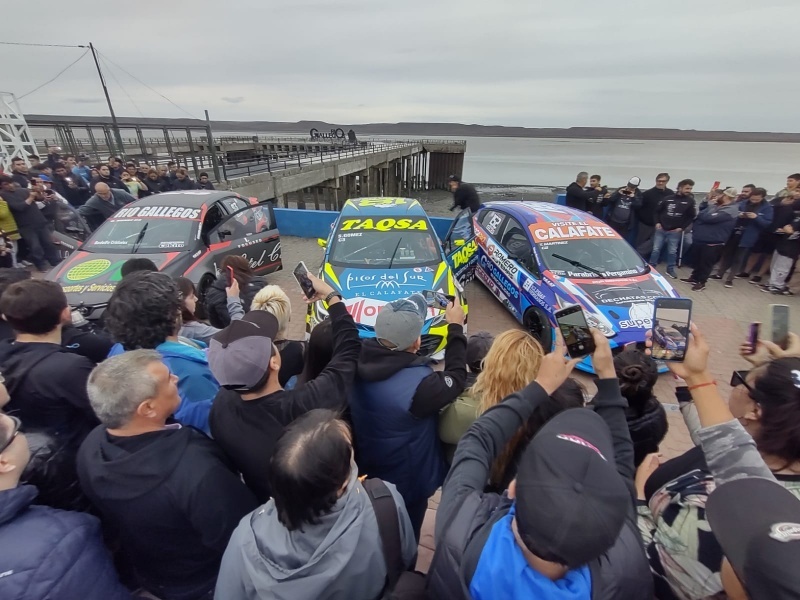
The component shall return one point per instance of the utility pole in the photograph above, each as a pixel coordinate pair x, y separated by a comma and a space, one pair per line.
213, 148
108, 99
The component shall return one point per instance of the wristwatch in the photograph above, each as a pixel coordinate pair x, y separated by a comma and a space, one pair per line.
330, 297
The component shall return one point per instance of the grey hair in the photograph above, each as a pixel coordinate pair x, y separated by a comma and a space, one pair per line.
582, 175
118, 385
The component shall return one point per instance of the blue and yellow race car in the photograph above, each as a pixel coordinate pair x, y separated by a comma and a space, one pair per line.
382, 249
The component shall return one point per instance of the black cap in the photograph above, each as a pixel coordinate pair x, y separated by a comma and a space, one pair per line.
477, 347
571, 500
455, 178
238, 356
757, 523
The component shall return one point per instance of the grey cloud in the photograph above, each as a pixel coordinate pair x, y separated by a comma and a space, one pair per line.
233, 100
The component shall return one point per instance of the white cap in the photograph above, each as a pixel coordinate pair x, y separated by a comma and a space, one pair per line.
634, 181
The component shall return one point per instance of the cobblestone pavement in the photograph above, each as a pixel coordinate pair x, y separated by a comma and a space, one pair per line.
722, 314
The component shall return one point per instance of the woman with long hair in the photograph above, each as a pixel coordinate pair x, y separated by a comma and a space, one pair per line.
194, 329
216, 296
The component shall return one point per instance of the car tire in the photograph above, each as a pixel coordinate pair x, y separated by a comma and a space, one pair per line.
206, 281
538, 325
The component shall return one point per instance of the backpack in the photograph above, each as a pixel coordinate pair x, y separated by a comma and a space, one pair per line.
400, 584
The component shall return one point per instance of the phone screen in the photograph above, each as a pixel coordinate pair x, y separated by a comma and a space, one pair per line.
671, 321
438, 299
575, 331
715, 186
780, 324
230, 276
752, 337
301, 274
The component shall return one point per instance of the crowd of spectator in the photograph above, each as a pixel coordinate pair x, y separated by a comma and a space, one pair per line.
728, 235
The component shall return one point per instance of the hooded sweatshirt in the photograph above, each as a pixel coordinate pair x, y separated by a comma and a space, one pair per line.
173, 499
715, 224
341, 557
47, 385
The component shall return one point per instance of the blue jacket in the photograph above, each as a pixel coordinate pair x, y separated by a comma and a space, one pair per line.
391, 443
754, 227
715, 224
54, 554
196, 385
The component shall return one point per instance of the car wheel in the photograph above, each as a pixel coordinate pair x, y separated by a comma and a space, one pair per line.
206, 281
538, 325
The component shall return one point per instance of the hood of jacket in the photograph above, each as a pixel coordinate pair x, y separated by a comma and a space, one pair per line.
124, 475
285, 564
377, 363
21, 358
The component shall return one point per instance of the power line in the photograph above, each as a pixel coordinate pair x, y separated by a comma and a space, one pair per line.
42, 45
61, 72
147, 86
114, 77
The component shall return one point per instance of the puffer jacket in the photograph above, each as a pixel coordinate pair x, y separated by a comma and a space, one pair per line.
52, 554
216, 299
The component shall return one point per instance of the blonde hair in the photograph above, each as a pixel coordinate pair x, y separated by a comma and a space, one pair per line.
512, 362
274, 300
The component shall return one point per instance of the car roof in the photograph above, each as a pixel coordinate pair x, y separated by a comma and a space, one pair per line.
190, 198
538, 212
383, 206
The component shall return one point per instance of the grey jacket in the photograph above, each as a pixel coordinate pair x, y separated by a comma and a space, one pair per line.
340, 558
96, 210
203, 332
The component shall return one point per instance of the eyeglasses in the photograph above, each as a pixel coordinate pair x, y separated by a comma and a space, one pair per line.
740, 378
17, 427
662, 180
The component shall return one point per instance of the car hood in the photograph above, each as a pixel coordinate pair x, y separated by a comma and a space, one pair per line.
365, 291
626, 303
89, 278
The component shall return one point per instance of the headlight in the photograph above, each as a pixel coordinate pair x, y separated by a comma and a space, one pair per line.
593, 321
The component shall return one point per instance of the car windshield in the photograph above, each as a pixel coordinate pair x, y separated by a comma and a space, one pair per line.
592, 258
129, 236
382, 249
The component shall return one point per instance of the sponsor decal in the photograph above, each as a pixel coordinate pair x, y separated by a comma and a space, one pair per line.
570, 230
494, 223
419, 224
534, 291
381, 202
785, 532
365, 310
88, 270
620, 295
499, 277
500, 258
448, 381
581, 442
177, 244
464, 254
171, 212
94, 287
385, 283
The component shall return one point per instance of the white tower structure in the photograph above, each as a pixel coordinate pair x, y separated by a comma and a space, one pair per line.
15, 137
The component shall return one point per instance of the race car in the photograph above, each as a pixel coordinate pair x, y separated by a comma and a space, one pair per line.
538, 257
668, 343
184, 233
382, 249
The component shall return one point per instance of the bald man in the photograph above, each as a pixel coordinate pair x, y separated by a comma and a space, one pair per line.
103, 204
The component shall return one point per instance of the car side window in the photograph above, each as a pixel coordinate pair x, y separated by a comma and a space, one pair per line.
234, 204
514, 239
250, 221
492, 222
214, 216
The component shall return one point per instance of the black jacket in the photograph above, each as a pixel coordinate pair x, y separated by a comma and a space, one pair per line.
94, 345
292, 359
466, 196
185, 184
216, 299
651, 200
75, 196
114, 182
438, 389
466, 514
21, 179
676, 211
622, 208
648, 428
172, 499
96, 210
47, 385
154, 186
205, 186
248, 429
26, 215
579, 198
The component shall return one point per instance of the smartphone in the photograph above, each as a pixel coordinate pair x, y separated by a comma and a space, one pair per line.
779, 324
715, 186
301, 274
671, 320
438, 299
575, 330
752, 336
230, 276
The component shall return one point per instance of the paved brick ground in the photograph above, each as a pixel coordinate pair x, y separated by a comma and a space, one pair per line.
722, 314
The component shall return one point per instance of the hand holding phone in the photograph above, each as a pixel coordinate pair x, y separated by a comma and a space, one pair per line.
301, 275
575, 331
438, 299
752, 336
672, 318
230, 276
779, 324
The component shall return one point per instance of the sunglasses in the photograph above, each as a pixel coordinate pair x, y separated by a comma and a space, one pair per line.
740, 378
17, 427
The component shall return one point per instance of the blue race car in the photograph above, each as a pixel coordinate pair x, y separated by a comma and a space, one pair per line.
382, 249
538, 257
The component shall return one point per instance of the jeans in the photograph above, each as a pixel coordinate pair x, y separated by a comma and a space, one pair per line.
733, 261
673, 239
705, 257
40, 246
779, 270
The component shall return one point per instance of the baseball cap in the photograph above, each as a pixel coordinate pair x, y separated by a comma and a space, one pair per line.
239, 354
454, 178
634, 181
730, 192
571, 502
477, 347
757, 523
400, 322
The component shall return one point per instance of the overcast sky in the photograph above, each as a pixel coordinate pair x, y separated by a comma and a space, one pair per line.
692, 64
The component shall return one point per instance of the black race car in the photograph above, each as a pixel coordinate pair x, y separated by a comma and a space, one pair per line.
184, 233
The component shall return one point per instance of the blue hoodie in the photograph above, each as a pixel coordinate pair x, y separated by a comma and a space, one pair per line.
196, 385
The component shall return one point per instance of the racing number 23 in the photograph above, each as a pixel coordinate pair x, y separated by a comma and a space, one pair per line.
384, 224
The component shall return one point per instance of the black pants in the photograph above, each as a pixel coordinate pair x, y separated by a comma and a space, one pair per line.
705, 257
416, 513
40, 246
